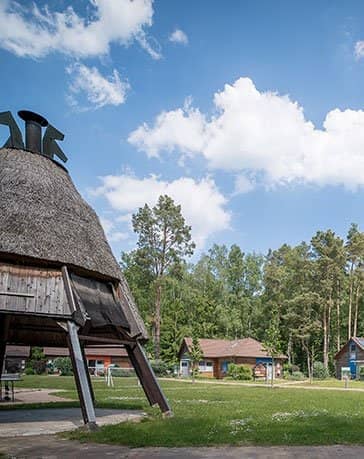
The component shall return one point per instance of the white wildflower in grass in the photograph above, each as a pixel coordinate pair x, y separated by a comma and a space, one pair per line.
238, 425
283, 416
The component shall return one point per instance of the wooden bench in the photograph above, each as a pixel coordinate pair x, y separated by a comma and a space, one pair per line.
5, 379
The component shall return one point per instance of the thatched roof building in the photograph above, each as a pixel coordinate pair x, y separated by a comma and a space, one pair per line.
44, 220
59, 281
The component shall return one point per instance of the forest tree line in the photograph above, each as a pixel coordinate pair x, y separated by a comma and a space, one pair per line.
313, 291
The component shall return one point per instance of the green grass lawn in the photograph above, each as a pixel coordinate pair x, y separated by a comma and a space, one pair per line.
216, 414
332, 382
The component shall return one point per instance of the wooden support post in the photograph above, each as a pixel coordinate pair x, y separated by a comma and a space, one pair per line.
147, 378
2, 356
4, 329
82, 383
87, 373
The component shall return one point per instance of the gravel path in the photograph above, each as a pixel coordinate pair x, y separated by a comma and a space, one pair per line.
53, 447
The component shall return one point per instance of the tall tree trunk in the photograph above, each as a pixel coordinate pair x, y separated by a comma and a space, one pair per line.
338, 323
350, 300
325, 345
357, 293
309, 368
289, 349
328, 330
157, 319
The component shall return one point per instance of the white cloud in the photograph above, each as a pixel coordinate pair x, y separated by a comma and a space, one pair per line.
29, 31
183, 128
98, 90
243, 184
203, 205
111, 233
359, 49
178, 36
263, 134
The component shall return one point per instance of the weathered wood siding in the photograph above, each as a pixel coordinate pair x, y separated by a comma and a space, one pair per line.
342, 360
29, 290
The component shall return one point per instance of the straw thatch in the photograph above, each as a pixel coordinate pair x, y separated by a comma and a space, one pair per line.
43, 218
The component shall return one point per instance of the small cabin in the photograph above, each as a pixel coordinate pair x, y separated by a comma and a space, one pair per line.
350, 358
218, 353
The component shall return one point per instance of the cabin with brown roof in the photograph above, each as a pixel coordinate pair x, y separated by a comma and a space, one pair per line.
218, 353
350, 358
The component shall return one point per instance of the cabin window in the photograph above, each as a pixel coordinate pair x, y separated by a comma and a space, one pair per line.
352, 347
204, 366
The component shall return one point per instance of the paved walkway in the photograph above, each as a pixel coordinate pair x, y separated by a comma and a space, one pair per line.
21, 423
35, 396
53, 447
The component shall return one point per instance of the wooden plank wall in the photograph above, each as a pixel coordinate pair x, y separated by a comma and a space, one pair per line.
32, 290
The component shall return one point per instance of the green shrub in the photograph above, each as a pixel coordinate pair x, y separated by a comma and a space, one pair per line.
289, 369
161, 368
64, 366
240, 372
37, 361
319, 371
118, 372
29, 371
297, 376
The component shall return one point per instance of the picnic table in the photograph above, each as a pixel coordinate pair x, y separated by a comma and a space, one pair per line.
5, 379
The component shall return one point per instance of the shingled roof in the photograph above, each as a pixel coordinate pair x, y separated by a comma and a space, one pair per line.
217, 348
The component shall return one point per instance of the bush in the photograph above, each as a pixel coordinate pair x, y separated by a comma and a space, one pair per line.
289, 369
161, 368
240, 372
64, 366
37, 361
297, 376
122, 372
29, 371
319, 371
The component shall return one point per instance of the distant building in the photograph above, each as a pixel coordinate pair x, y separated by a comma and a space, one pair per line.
15, 358
218, 353
350, 356
98, 357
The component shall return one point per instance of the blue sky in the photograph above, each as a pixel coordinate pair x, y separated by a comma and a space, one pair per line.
247, 113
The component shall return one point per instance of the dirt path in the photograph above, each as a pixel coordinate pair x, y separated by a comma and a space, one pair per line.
285, 385
53, 447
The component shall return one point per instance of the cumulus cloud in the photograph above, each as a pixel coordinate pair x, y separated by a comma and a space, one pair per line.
202, 204
29, 31
97, 90
264, 134
110, 231
359, 49
178, 36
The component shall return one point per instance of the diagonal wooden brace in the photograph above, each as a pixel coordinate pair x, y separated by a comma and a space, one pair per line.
147, 378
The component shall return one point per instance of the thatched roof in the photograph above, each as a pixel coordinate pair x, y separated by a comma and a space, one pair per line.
44, 218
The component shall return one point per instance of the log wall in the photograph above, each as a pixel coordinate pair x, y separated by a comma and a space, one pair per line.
29, 290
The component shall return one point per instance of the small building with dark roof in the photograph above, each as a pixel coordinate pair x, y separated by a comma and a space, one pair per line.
350, 356
218, 353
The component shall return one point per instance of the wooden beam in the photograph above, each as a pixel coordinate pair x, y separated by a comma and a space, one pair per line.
103, 340
18, 294
147, 378
82, 383
88, 374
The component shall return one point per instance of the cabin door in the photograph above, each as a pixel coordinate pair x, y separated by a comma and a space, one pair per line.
185, 368
269, 371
